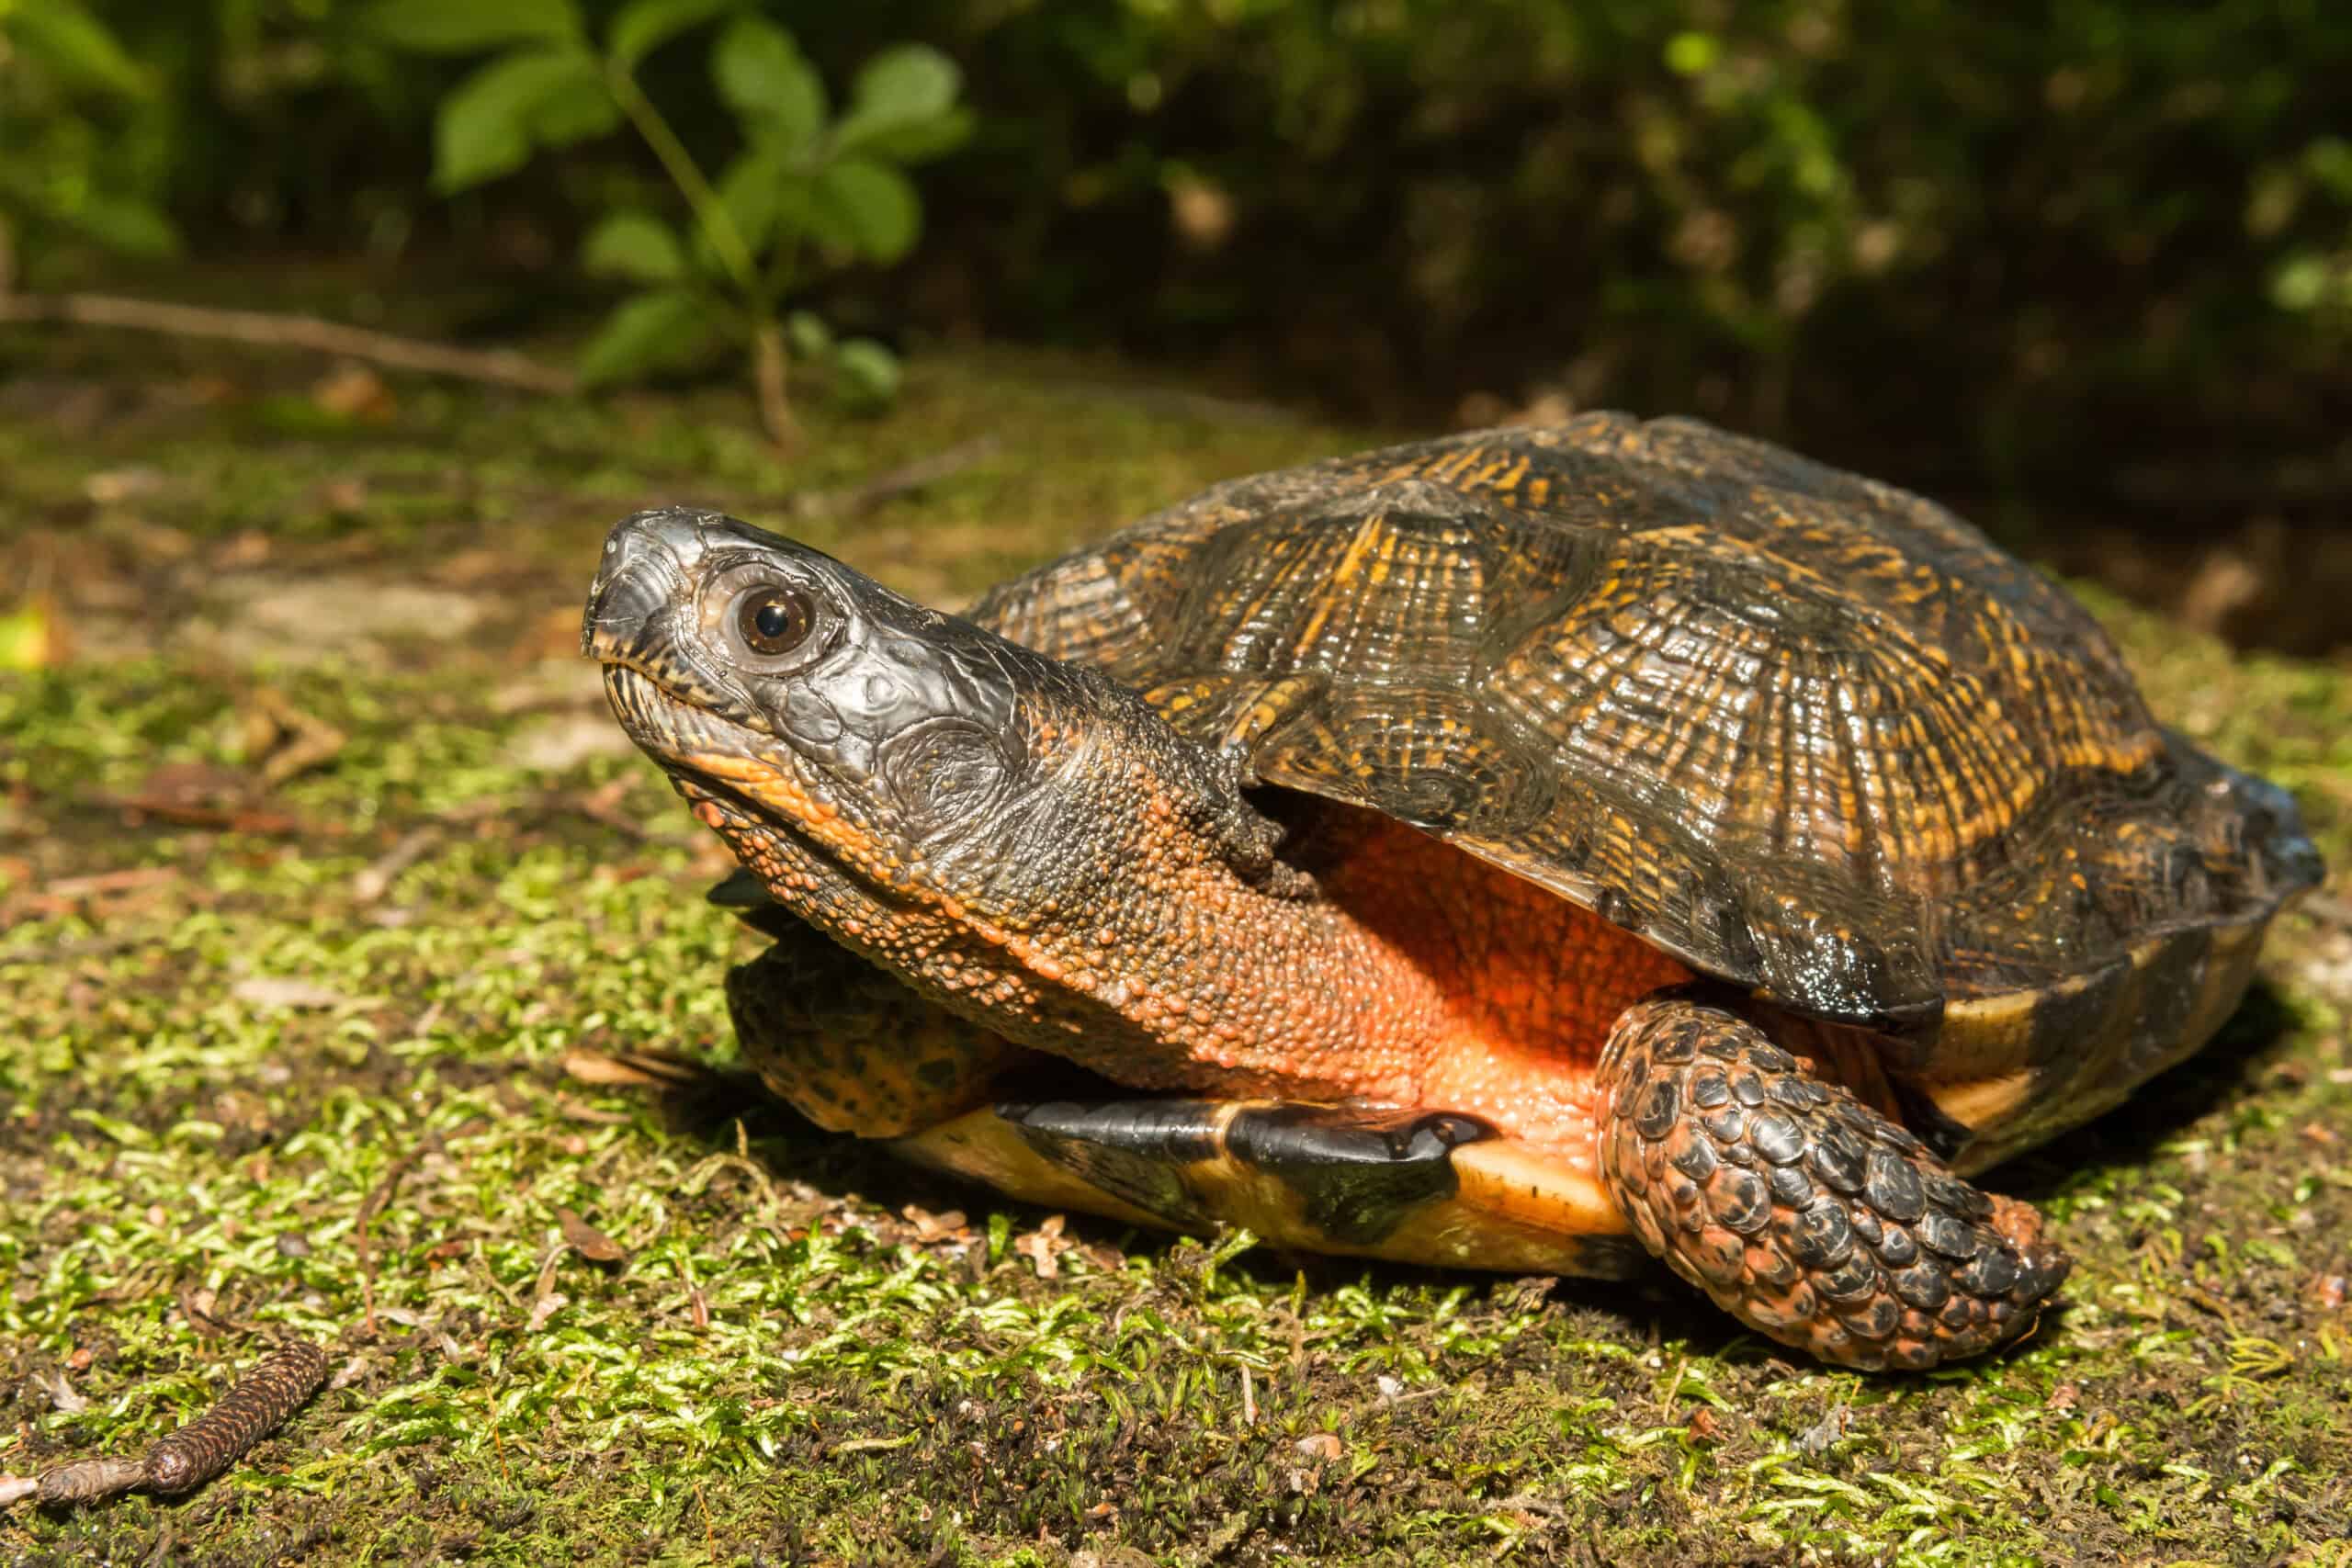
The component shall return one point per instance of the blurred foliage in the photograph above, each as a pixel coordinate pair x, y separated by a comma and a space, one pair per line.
2038, 241
807, 190
2097, 220
76, 155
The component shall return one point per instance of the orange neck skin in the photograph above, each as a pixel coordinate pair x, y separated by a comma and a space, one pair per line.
1419, 975
1416, 976
1108, 926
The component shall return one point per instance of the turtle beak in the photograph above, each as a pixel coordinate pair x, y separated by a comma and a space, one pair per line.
642, 588
642, 626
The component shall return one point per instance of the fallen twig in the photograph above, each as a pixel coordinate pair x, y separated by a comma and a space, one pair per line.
190, 814
258, 1403
99, 884
501, 366
376, 878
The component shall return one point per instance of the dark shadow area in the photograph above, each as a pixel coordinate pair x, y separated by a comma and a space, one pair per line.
2225, 1074
711, 1107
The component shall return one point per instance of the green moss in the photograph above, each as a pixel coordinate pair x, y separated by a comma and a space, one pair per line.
243, 1092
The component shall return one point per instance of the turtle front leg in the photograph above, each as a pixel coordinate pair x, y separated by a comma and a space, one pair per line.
851, 1047
1804, 1213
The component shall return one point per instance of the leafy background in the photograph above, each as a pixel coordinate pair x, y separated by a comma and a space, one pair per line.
2098, 253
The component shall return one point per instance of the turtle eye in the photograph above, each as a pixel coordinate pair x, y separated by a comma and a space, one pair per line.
773, 620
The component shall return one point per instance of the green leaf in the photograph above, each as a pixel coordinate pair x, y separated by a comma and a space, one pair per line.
578, 109
869, 373
2329, 159
2300, 283
644, 26
659, 331
806, 332
1692, 53
761, 195
124, 224
70, 42
899, 87
635, 245
487, 125
916, 141
867, 207
464, 26
763, 76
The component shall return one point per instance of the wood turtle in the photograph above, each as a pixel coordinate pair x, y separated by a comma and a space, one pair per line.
1523, 850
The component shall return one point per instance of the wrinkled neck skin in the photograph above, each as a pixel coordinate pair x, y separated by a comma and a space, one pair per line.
1065, 869
1020, 839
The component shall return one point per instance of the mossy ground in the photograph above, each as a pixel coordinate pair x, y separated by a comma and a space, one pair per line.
287, 1056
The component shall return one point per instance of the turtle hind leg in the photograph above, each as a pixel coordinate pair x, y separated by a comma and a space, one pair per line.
1803, 1212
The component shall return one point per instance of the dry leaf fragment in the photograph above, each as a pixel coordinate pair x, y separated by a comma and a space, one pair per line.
1043, 1246
572, 1110
283, 991
587, 1240
283, 740
930, 1228
201, 1308
632, 1067
63, 1396
353, 391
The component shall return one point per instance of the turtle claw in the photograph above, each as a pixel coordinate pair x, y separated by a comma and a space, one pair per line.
1802, 1212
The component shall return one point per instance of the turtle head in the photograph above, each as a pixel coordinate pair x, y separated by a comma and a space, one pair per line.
854, 746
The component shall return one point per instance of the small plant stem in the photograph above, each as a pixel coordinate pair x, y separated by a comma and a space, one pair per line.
767, 374
709, 212
781, 268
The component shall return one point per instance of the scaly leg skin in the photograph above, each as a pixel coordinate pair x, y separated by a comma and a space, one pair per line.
1804, 1213
851, 1047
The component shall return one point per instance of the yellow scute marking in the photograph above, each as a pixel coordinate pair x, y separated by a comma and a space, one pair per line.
1368, 537
1985, 1102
